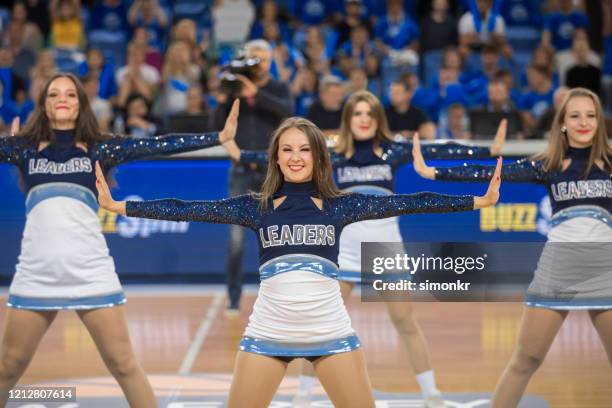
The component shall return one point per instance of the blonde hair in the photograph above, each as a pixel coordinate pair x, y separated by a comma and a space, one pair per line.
558, 143
345, 144
324, 184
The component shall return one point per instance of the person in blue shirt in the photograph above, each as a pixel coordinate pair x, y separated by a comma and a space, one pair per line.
298, 217
539, 97
576, 168
559, 26
64, 262
396, 31
522, 12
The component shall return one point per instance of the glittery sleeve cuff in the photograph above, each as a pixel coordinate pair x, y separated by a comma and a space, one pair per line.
453, 150
11, 149
523, 171
358, 207
240, 210
121, 149
254, 156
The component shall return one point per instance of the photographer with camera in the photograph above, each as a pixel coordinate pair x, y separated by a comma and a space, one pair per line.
264, 103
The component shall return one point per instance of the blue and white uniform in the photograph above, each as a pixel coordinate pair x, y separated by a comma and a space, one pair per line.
64, 261
367, 173
299, 310
575, 268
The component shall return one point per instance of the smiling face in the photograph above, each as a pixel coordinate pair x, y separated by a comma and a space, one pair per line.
295, 156
363, 123
62, 103
581, 122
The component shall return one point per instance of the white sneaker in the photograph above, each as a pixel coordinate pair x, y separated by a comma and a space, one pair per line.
301, 401
435, 401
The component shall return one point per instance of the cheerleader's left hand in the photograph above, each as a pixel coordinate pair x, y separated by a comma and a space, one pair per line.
492, 195
231, 123
500, 138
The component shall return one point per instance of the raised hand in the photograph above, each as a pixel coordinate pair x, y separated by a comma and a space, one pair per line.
105, 199
500, 138
418, 161
15, 125
231, 123
492, 194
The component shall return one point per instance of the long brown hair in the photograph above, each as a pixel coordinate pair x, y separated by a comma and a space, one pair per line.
38, 128
324, 184
345, 141
558, 143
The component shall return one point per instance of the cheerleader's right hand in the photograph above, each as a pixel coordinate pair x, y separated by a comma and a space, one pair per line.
418, 161
492, 195
104, 196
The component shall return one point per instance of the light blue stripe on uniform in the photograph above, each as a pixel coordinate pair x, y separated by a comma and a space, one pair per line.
589, 211
45, 303
298, 262
51, 190
279, 349
568, 304
373, 190
356, 277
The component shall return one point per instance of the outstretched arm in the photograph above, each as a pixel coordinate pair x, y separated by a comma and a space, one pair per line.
120, 150
522, 171
241, 210
358, 207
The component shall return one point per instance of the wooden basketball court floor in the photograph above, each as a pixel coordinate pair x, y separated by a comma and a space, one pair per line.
183, 330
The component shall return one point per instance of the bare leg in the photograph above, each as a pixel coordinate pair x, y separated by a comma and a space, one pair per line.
345, 379
108, 329
602, 320
23, 330
538, 330
255, 381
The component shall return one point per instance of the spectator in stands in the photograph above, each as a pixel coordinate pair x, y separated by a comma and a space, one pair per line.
38, 13
269, 12
37, 86
136, 77
396, 35
13, 87
196, 105
23, 58
45, 65
214, 96
583, 73
538, 98
101, 107
264, 103
359, 47
153, 56
481, 26
457, 124
95, 66
179, 73
506, 76
232, 21
8, 108
326, 112
67, 31
438, 28
110, 15
139, 122
151, 16
545, 122
32, 37
357, 81
405, 118
559, 25
353, 17
304, 89
314, 50
315, 12
580, 54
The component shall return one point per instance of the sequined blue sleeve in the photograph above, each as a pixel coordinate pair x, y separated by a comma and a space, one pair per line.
398, 153
523, 171
254, 156
122, 149
11, 149
358, 207
241, 210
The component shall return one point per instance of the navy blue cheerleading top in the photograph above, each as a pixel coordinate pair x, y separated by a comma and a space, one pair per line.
567, 188
374, 174
297, 225
69, 170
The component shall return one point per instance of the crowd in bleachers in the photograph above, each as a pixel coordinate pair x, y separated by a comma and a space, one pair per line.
449, 69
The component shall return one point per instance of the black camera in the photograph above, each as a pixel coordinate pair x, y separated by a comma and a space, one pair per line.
230, 84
